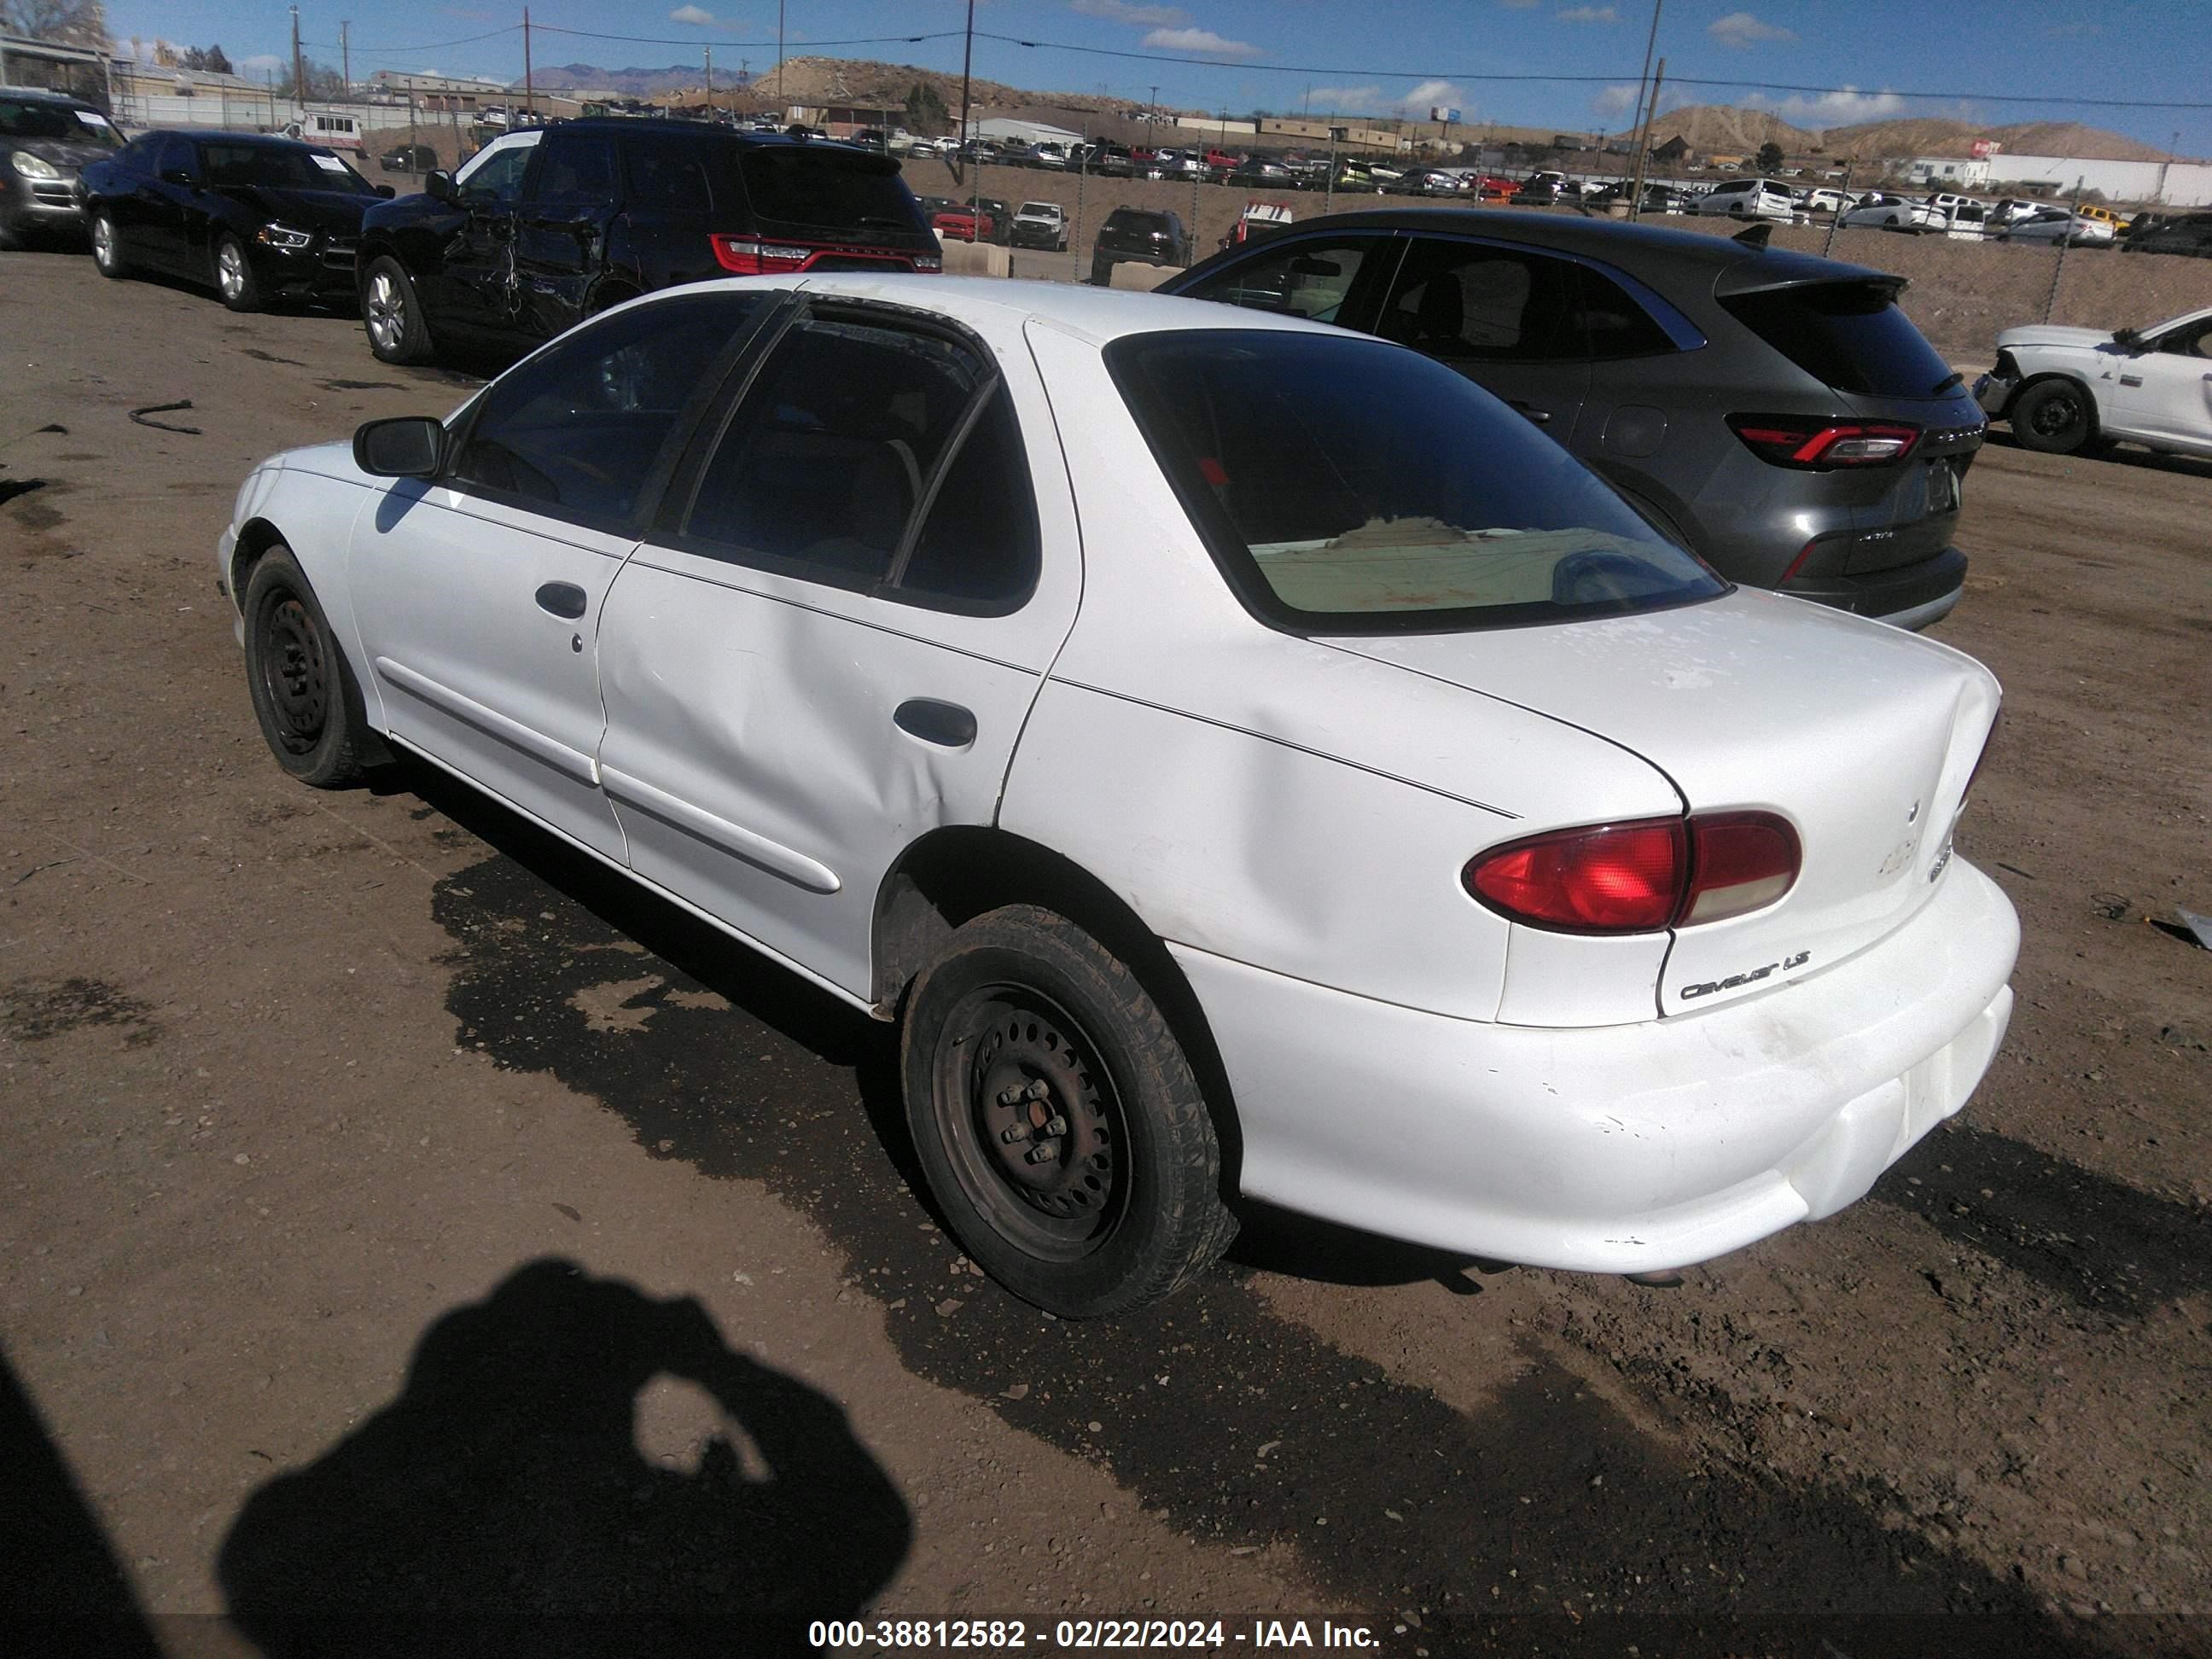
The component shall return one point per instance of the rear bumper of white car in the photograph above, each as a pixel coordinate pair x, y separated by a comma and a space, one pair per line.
1623, 1148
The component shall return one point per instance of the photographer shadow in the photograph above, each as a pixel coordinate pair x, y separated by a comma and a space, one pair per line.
500, 1504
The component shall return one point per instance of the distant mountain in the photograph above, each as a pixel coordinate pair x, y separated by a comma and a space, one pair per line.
1729, 130
629, 83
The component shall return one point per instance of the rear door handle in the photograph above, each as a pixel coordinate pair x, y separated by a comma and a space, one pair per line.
945, 723
562, 600
1540, 416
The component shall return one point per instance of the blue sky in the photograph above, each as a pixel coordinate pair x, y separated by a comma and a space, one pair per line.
1353, 57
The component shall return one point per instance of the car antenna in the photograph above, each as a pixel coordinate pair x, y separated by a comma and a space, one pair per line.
1756, 235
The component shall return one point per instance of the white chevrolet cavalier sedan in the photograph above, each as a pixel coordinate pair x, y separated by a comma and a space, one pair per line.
1244, 756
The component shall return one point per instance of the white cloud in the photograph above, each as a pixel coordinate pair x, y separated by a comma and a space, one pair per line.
261, 64
1589, 14
1617, 100
1742, 30
1120, 11
1342, 98
1519, 5
693, 15
1202, 41
1831, 109
1422, 98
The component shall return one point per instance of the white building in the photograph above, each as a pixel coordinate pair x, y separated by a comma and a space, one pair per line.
2171, 184
1025, 133
1948, 171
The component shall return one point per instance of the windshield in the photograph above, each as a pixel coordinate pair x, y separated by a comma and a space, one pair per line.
26, 117
1347, 486
279, 167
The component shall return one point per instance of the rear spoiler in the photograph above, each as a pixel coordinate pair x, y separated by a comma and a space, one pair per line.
1767, 269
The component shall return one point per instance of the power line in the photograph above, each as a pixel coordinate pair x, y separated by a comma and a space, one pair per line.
434, 46
693, 40
1249, 67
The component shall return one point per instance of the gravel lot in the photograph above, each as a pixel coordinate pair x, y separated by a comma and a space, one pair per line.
300, 1087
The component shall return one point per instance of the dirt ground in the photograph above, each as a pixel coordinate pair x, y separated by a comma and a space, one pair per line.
402, 1221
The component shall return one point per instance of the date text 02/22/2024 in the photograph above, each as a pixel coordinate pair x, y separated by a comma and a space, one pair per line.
1014, 1635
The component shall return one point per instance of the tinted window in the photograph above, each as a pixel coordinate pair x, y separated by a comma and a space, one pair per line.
826, 459
1464, 302
1308, 279
668, 175
575, 169
577, 431
824, 189
1137, 224
978, 547
498, 177
1849, 335
1344, 488
1614, 322
176, 156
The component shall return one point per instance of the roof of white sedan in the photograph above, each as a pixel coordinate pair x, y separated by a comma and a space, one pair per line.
1096, 314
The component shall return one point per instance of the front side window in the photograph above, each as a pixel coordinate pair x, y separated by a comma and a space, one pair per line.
178, 159
1345, 488
824, 462
1467, 302
578, 431
1311, 279
496, 181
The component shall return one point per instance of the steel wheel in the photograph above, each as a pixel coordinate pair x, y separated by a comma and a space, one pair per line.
295, 673
1031, 1119
230, 271
385, 310
2054, 416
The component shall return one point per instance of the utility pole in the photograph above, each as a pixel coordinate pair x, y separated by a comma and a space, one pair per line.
779, 53
1644, 145
298, 72
529, 81
710, 84
345, 57
1650, 42
967, 62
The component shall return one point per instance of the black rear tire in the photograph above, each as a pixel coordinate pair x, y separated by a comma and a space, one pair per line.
1057, 1120
304, 695
2054, 416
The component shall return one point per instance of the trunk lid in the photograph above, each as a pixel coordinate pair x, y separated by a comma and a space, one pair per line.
1863, 737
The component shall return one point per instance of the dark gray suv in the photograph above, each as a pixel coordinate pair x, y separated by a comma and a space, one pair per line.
1775, 412
44, 137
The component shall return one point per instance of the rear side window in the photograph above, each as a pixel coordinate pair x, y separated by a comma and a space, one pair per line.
1850, 336
668, 175
840, 192
575, 169
1463, 302
1346, 488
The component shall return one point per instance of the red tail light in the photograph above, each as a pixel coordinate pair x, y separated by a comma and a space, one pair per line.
1640, 877
1816, 446
749, 257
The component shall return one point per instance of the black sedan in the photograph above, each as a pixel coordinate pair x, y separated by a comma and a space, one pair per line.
255, 218
409, 158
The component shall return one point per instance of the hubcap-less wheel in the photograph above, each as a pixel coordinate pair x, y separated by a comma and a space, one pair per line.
2055, 416
230, 270
295, 674
1030, 1122
387, 313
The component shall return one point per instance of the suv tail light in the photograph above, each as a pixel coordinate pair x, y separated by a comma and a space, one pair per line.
1640, 877
749, 257
1817, 445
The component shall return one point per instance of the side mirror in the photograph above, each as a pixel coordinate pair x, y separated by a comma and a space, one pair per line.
405, 447
386, 192
439, 184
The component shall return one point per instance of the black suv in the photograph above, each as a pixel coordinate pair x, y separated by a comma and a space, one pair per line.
1140, 236
598, 211
1773, 411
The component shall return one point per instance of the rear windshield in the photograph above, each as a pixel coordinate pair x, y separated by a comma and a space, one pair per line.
1126, 219
29, 118
841, 191
1849, 334
1348, 486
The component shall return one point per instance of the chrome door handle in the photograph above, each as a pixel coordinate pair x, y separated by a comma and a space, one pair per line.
562, 600
1540, 416
947, 725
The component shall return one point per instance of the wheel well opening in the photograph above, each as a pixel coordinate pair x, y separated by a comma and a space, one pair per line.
255, 538
953, 875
